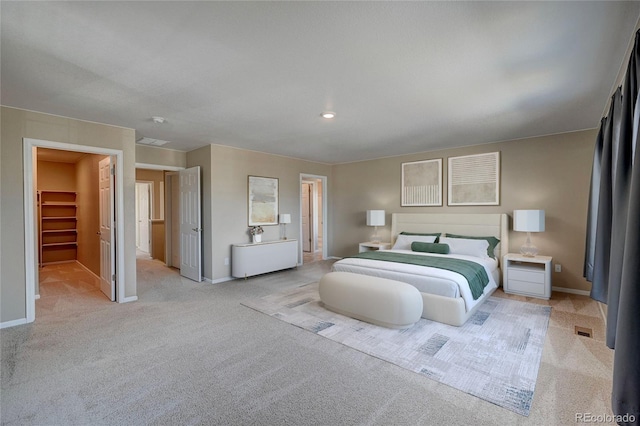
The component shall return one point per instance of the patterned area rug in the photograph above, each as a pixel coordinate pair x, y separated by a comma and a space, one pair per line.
494, 356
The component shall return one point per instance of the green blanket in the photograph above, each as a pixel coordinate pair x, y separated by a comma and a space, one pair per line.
475, 273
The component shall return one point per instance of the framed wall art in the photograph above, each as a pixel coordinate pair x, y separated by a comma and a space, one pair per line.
474, 180
422, 183
263, 201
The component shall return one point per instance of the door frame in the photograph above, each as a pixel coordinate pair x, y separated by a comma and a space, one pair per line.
325, 220
30, 234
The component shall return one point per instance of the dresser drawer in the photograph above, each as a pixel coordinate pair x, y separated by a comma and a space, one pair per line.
526, 275
536, 289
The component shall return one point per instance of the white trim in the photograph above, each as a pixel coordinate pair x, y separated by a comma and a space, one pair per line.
37, 296
325, 217
571, 290
31, 259
13, 323
335, 257
158, 167
127, 299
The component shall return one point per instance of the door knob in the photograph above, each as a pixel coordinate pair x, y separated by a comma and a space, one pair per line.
197, 229
98, 233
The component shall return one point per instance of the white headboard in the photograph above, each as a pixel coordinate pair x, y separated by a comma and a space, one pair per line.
477, 225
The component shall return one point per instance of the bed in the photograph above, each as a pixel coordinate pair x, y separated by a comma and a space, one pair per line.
446, 294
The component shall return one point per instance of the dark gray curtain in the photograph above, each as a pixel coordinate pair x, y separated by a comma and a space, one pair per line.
615, 266
594, 197
604, 213
626, 363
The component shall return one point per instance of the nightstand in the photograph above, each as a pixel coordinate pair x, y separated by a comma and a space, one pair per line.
527, 276
369, 246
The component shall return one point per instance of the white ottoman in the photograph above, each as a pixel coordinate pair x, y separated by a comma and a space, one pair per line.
380, 301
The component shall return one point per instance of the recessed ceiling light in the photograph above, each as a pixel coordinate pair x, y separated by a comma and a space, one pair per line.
328, 114
158, 120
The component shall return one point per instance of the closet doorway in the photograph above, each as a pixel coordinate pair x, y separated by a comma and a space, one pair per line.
70, 199
313, 213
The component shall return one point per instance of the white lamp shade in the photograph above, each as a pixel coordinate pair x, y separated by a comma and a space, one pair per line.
285, 218
528, 220
375, 217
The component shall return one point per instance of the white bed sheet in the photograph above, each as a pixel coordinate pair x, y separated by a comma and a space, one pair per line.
426, 279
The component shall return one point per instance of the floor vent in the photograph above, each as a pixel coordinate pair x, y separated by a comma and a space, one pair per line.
582, 331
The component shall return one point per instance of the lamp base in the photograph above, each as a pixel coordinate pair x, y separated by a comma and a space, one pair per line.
528, 249
375, 238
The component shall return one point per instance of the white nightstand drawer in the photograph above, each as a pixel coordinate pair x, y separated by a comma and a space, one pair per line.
524, 275
526, 287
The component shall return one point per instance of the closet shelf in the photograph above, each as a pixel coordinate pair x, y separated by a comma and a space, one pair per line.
59, 203
59, 218
69, 243
58, 209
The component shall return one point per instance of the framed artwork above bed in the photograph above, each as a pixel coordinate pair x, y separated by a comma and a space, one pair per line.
422, 183
474, 180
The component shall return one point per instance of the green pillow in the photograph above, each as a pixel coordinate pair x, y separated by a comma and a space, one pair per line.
430, 247
493, 242
429, 234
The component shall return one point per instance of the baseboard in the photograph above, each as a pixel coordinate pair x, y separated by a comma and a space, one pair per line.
129, 299
89, 271
571, 290
13, 323
335, 257
219, 280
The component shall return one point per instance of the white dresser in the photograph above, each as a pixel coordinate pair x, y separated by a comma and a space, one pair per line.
259, 258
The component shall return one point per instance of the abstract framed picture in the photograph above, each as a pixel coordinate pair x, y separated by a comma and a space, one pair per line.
474, 180
263, 201
422, 183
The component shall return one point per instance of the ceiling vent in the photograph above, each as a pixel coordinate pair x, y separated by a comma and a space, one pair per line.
152, 142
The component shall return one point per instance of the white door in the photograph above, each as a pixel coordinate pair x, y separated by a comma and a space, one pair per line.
306, 217
190, 224
107, 240
143, 217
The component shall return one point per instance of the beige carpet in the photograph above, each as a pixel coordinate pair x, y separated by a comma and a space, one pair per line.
189, 353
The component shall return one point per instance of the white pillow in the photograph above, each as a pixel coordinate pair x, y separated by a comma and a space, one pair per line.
477, 248
404, 241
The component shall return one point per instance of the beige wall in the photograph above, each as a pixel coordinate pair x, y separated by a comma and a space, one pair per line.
160, 156
17, 124
225, 177
550, 173
88, 198
53, 176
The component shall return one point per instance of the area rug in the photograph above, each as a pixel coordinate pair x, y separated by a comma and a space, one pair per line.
494, 356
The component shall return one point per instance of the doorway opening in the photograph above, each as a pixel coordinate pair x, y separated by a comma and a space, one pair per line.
313, 213
144, 215
71, 208
68, 219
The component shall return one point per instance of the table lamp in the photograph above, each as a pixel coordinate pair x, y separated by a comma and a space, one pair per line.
375, 218
528, 221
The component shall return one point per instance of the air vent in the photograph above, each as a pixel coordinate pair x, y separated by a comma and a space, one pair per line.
152, 142
583, 331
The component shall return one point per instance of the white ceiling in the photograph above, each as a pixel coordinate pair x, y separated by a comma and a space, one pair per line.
402, 77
